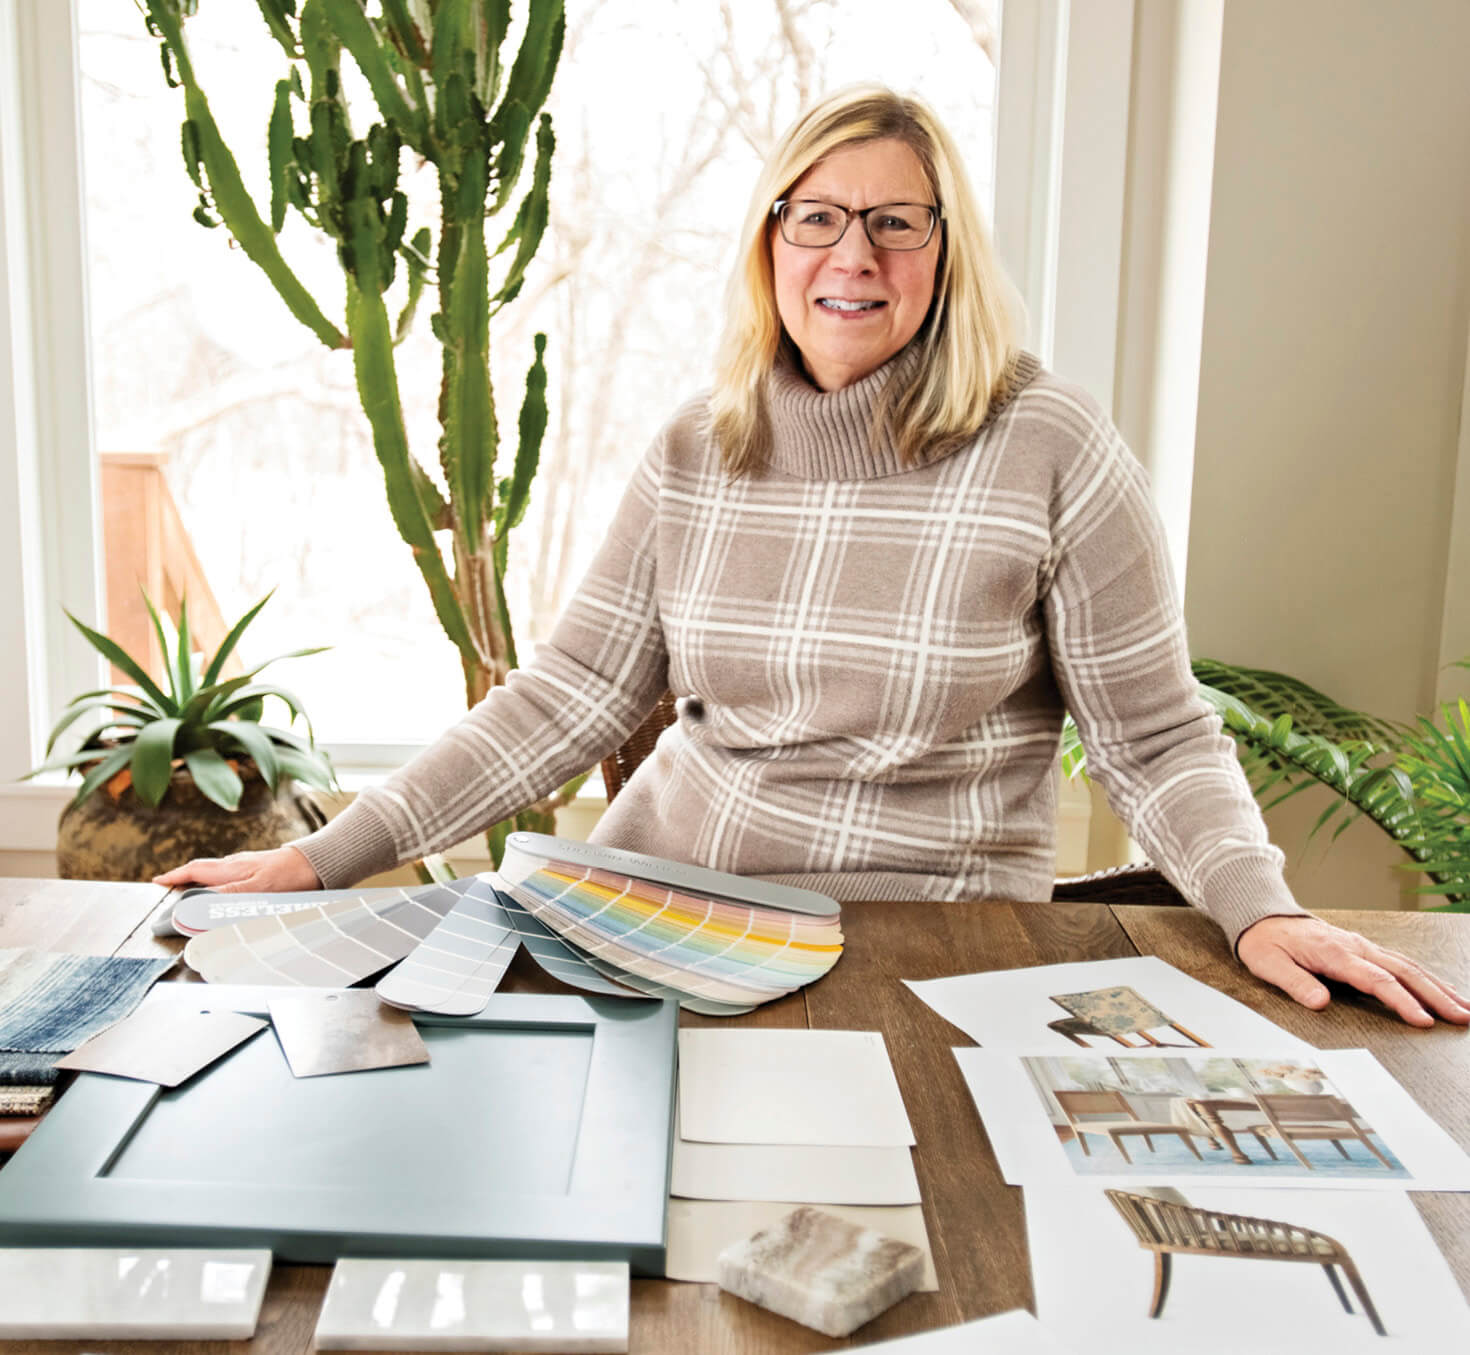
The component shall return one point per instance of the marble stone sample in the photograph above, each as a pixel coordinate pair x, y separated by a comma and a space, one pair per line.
821, 1271
571, 1306
699, 1230
130, 1293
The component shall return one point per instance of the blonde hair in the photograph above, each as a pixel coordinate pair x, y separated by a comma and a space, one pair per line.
967, 342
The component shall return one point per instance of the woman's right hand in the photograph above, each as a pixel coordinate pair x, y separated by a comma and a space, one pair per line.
272, 872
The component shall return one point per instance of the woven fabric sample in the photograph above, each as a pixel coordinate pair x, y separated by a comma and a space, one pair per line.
25, 1100
27, 1070
50, 1003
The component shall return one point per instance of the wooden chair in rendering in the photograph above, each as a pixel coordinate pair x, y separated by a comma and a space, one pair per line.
1170, 1229
1109, 1113
1299, 1116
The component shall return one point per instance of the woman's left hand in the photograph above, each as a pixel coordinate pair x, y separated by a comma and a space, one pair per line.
1292, 951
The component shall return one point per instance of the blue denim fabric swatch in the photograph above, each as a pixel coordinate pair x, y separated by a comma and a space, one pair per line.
27, 1070
51, 1003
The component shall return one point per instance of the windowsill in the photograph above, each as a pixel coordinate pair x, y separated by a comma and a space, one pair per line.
29, 810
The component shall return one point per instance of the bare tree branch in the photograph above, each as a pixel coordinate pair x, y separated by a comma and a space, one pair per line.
979, 16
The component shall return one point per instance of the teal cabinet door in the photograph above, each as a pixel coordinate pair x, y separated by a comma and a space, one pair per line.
540, 1128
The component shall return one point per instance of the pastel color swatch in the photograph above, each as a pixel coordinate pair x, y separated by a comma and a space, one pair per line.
341, 940
723, 954
458, 965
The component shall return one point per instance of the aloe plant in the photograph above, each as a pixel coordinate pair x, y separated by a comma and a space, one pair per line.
443, 92
205, 721
1412, 781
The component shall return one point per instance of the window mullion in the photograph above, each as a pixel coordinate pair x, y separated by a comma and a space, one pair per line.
48, 507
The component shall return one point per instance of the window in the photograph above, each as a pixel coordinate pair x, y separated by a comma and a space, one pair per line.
48, 514
254, 427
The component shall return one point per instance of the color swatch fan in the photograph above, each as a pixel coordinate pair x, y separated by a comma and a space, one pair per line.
714, 941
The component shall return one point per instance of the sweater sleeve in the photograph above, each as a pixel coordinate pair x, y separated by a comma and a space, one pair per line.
1122, 663
602, 670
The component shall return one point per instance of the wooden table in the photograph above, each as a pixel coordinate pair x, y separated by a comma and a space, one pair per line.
975, 1221
1209, 1110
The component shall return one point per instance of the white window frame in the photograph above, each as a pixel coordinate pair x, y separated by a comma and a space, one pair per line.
1061, 169
1061, 150
49, 514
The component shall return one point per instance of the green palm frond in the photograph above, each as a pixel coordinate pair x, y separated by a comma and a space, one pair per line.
1438, 761
1413, 781
1280, 761
1311, 711
1074, 755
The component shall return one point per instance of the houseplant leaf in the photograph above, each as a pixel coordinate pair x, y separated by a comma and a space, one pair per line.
116, 655
215, 778
254, 742
153, 759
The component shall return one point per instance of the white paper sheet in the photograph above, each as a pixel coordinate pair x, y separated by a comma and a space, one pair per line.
1024, 1126
1012, 1333
831, 1087
1094, 1283
1011, 1009
699, 1230
802, 1173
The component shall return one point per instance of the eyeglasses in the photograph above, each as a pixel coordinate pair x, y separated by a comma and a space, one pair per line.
820, 225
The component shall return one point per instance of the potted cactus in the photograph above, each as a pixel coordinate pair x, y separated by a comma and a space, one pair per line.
443, 92
183, 767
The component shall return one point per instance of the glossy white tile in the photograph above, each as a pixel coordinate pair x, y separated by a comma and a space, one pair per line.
571, 1306
130, 1293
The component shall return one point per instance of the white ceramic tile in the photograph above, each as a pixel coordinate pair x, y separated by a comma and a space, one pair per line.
569, 1306
130, 1293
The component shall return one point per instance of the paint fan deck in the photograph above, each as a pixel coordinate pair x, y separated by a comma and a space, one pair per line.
702, 937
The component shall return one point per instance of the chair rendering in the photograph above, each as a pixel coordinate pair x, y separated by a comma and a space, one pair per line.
1077, 1030
1299, 1116
1112, 1115
1168, 1229
1114, 1013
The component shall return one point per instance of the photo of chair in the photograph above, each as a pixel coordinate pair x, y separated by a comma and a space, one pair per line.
1300, 1116
1111, 1114
1114, 1013
1167, 1229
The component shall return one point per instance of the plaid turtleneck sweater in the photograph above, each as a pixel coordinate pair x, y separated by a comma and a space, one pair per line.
872, 663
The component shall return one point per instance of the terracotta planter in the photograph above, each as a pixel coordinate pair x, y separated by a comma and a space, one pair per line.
112, 835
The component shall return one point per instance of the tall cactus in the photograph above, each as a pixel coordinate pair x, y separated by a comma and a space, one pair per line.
441, 91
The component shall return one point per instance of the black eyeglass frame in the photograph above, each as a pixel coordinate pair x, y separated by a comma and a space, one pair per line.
936, 221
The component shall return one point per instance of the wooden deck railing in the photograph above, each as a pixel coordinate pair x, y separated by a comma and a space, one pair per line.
148, 548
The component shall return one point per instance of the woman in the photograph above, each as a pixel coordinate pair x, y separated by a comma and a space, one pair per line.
874, 563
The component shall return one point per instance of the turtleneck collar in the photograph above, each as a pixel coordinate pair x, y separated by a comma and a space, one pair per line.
827, 435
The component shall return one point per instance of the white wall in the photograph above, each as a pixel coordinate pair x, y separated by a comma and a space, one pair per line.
1337, 305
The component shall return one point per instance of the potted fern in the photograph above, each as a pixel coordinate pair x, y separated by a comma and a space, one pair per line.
1412, 781
182, 767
